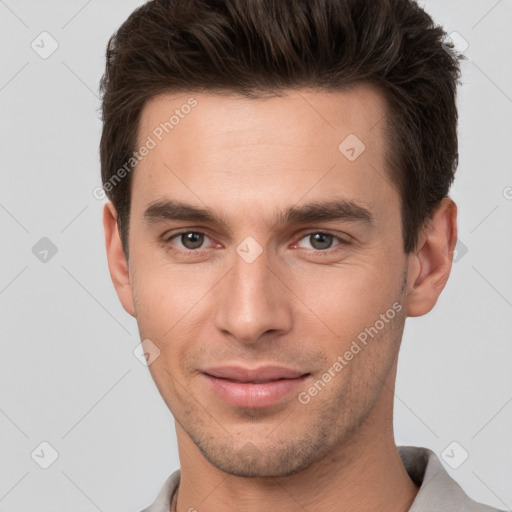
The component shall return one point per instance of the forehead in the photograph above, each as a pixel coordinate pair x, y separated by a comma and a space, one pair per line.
274, 146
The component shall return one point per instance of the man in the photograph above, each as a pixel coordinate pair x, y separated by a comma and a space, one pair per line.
278, 175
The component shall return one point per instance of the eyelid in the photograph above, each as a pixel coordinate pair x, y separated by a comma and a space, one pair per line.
342, 237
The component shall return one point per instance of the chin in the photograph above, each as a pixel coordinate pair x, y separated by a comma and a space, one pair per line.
251, 461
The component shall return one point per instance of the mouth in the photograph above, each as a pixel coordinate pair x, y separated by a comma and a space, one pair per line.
254, 388
251, 381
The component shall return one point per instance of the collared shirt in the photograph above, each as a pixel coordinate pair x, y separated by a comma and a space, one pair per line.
438, 491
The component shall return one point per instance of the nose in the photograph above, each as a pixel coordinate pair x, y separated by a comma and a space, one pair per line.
254, 301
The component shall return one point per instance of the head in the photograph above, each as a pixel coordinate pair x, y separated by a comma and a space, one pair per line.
278, 176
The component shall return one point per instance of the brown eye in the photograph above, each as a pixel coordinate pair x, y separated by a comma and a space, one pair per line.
321, 241
190, 240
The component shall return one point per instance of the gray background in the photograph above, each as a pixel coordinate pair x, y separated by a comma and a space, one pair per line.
68, 373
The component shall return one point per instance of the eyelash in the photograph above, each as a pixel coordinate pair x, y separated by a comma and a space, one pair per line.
319, 252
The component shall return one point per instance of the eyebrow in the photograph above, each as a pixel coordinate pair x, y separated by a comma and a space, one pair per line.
334, 210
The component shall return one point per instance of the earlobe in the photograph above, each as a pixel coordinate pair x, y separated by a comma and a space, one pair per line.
117, 264
432, 260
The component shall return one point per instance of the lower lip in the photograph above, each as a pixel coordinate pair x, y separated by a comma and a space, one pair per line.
244, 394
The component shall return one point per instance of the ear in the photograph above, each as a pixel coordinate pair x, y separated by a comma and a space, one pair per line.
431, 262
117, 263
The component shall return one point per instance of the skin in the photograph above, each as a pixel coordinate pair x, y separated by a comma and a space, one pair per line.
247, 160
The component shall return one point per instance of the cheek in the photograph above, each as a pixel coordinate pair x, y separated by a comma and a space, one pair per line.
347, 304
350, 292
164, 296
171, 299
171, 307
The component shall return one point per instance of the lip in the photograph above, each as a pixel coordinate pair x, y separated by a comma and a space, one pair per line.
253, 388
259, 374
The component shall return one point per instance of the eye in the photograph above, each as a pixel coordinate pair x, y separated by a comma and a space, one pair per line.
194, 240
321, 241
190, 240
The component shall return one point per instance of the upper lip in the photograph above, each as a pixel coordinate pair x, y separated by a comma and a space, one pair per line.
263, 373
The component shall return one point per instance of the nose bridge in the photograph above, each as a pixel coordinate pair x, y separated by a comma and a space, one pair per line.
253, 300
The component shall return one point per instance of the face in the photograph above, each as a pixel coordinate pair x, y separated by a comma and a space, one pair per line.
295, 261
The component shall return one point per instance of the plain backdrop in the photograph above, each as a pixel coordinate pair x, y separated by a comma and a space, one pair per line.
68, 374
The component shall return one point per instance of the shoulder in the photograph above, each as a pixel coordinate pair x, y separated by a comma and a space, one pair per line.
438, 490
163, 500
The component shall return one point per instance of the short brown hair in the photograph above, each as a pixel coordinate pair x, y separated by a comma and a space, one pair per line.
263, 47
